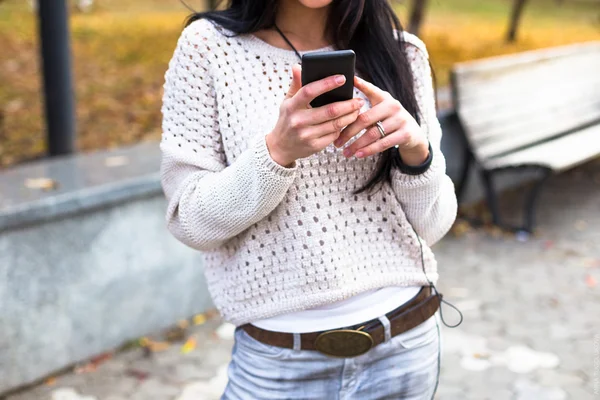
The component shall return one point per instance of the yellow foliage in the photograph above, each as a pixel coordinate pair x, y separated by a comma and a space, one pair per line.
454, 39
199, 319
189, 345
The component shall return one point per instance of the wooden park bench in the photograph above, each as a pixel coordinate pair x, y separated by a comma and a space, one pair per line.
536, 110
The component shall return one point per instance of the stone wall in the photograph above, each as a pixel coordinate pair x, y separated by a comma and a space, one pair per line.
90, 266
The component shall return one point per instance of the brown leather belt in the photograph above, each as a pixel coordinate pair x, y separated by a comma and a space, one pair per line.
358, 339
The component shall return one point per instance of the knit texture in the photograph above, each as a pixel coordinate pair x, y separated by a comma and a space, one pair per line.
275, 239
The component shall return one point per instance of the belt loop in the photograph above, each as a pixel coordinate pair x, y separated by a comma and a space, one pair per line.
297, 342
386, 327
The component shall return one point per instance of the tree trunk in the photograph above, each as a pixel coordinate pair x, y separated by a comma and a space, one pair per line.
515, 18
417, 13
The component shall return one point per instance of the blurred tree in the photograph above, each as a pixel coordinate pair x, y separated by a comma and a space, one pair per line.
515, 18
212, 4
417, 13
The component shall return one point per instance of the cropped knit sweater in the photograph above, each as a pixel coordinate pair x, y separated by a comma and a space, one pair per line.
275, 239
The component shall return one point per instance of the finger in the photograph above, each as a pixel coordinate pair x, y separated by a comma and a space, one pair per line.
296, 81
332, 111
372, 135
332, 126
373, 93
364, 121
382, 144
314, 89
326, 140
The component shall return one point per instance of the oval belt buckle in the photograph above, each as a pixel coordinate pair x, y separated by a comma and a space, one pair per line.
344, 343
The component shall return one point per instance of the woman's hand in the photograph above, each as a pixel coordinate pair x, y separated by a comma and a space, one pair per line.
302, 131
401, 128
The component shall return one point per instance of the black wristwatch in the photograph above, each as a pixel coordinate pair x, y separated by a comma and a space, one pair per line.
417, 169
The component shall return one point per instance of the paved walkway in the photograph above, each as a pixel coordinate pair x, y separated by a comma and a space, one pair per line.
531, 329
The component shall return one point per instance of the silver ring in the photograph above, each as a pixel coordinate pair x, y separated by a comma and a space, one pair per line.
380, 127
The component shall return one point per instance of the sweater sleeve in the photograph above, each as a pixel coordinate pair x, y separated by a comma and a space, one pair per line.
209, 201
428, 200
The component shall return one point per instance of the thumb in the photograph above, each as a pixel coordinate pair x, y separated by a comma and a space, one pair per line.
296, 80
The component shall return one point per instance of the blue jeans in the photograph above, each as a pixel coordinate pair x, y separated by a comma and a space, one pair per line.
405, 367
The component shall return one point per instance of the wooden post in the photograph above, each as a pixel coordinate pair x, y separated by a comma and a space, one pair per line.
417, 14
515, 18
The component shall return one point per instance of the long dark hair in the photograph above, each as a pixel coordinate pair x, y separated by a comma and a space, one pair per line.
365, 26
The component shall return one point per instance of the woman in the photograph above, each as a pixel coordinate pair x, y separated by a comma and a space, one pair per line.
315, 223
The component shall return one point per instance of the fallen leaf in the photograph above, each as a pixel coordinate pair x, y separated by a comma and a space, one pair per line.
138, 374
41, 183
50, 381
580, 225
99, 359
175, 334
93, 364
460, 228
548, 244
116, 161
212, 313
85, 368
199, 319
154, 346
493, 230
590, 281
183, 324
189, 345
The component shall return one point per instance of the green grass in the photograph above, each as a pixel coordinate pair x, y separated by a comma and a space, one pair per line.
121, 51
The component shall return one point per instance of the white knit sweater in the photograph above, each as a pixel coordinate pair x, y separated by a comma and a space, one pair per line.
276, 239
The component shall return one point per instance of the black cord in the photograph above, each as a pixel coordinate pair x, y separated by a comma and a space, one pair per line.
288, 42
434, 288
442, 301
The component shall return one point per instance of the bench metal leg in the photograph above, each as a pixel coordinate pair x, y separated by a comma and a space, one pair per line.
531, 199
490, 195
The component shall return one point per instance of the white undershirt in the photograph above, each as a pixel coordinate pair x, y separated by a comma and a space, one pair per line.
360, 308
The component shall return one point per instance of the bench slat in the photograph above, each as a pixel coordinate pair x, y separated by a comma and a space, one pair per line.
507, 102
574, 61
502, 115
559, 155
502, 109
534, 130
583, 67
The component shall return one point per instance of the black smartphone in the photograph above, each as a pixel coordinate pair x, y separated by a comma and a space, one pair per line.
321, 64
